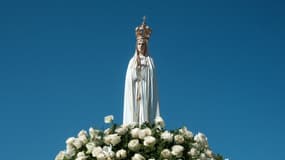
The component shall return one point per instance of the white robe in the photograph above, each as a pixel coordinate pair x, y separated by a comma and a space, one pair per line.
141, 103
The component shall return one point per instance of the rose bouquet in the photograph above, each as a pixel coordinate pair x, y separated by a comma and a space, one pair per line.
137, 142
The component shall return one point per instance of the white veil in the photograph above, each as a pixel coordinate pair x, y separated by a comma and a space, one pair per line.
148, 109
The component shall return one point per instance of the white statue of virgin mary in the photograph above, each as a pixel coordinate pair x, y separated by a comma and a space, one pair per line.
141, 103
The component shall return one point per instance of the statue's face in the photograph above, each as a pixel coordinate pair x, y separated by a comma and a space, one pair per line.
141, 45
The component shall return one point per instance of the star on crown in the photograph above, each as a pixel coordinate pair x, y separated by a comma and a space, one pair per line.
143, 31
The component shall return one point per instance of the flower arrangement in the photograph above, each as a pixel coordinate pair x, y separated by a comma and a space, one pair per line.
137, 142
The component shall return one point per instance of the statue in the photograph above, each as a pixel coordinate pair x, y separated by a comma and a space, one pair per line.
141, 102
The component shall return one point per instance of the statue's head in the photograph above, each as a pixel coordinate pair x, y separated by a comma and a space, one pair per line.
141, 46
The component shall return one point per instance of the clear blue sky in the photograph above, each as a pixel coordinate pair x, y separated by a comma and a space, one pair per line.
220, 64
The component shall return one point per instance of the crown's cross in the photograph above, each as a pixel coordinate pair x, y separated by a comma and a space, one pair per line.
144, 19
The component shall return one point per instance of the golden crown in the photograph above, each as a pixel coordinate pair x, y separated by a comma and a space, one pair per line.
143, 31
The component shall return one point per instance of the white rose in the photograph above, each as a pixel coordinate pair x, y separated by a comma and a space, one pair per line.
177, 151
186, 133
135, 132
138, 156
70, 151
81, 156
159, 122
82, 136
101, 156
92, 132
144, 132
147, 131
107, 150
113, 139
178, 139
201, 138
134, 145
77, 143
167, 136
203, 156
96, 151
70, 140
196, 145
149, 141
209, 153
110, 155
90, 146
121, 154
69, 146
83, 139
109, 119
165, 153
121, 131
193, 152
82, 133
107, 131
132, 125
60, 155
107, 139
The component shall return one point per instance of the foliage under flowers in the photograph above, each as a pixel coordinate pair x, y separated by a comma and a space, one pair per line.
137, 142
